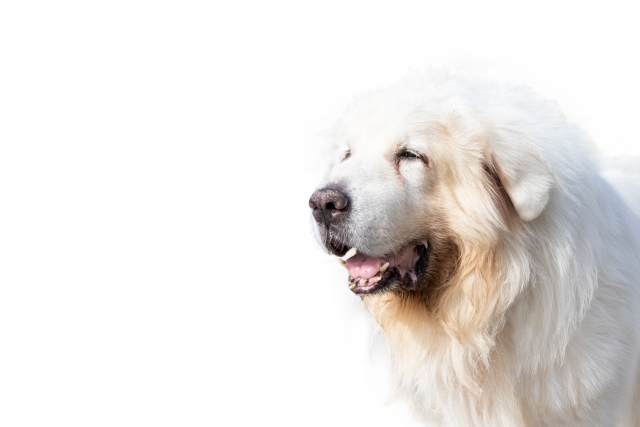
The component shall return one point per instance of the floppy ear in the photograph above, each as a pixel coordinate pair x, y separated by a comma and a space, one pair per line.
524, 175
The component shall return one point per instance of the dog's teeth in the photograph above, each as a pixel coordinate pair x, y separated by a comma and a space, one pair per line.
351, 253
425, 243
384, 267
352, 285
342, 262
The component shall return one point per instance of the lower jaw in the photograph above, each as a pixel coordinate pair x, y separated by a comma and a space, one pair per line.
393, 279
389, 281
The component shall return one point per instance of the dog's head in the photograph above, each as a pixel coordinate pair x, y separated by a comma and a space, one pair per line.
420, 181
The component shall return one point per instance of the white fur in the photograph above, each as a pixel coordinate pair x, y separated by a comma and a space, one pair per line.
540, 324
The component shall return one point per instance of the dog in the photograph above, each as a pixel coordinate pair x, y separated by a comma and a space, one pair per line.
500, 257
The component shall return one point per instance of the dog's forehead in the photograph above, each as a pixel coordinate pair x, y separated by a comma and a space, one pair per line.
377, 128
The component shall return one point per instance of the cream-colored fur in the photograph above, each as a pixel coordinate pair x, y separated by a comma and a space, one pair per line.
532, 312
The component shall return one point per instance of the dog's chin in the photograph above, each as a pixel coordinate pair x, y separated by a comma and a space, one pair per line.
402, 270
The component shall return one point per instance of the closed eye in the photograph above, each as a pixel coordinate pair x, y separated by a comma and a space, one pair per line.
408, 155
411, 156
346, 155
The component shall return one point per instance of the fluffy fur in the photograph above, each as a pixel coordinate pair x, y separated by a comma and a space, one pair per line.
529, 314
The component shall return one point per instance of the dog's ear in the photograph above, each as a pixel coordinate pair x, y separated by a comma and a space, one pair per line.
524, 175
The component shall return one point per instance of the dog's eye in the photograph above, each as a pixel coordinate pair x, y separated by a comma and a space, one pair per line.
408, 155
411, 156
346, 155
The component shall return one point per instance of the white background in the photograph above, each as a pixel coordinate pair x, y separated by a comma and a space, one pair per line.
156, 261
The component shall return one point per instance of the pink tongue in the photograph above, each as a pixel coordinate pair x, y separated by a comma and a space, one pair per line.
365, 266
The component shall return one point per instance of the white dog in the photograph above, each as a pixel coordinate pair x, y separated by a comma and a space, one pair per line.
501, 261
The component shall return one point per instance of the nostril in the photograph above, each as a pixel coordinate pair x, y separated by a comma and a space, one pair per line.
330, 206
340, 203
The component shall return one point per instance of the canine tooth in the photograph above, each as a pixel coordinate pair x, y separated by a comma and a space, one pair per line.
342, 262
352, 285
351, 253
425, 243
384, 267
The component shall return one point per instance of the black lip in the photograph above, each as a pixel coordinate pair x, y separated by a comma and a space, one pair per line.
423, 261
391, 279
336, 247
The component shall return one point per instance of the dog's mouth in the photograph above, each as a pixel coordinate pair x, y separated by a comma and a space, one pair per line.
403, 269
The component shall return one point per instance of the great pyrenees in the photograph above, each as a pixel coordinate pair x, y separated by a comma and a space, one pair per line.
501, 260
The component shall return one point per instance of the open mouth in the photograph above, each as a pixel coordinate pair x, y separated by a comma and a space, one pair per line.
369, 275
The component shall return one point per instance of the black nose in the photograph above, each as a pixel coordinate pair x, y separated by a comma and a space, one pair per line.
328, 204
